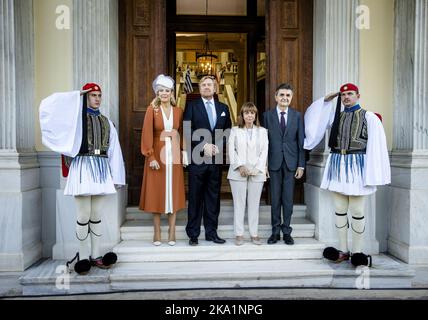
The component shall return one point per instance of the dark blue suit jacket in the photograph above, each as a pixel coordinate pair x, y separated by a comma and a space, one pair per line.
196, 116
287, 146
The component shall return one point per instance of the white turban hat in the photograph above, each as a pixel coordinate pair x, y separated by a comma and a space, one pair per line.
163, 81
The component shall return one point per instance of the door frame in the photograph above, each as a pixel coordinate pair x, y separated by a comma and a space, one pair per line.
252, 25
146, 18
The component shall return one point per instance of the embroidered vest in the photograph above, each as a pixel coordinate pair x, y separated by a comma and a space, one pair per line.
96, 137
352, 132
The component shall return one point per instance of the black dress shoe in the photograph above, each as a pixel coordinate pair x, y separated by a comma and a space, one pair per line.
274, 239
215, 238
288, 239
193, 241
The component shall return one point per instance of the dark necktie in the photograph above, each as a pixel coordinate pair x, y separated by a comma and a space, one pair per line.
283, 122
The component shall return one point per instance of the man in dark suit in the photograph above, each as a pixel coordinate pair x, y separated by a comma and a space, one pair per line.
286, 160
209, 121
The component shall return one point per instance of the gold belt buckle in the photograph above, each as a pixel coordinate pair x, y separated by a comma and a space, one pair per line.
343, 151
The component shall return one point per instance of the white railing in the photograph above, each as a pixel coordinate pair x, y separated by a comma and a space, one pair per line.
233, 105
261, 69
181, 97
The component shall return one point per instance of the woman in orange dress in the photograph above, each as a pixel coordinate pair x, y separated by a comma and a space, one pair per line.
162, 145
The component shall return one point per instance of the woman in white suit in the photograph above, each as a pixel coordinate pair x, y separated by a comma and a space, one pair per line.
248, 150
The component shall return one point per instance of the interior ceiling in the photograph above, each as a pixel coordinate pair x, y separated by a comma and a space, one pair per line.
215, 7
217, 41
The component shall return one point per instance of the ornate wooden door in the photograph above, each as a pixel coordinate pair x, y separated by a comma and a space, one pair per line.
289, 48
142, 57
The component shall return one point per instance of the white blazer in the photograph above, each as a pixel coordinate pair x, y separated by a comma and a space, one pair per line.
250, 152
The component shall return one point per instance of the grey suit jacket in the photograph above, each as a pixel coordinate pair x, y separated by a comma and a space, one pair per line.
287, 146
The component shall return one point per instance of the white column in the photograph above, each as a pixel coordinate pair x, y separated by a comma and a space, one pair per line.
20, 194
7, 70
96, 50
408, 236
96, 54
336, 54
336, 61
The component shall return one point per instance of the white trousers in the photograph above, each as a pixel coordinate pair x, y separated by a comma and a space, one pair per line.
89, 212
246, 194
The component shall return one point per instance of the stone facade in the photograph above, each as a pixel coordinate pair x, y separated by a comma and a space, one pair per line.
20, 193
37, 220
408, 239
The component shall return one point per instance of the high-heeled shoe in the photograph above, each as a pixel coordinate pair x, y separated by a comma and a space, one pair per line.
156, 241
171, 239
157, 238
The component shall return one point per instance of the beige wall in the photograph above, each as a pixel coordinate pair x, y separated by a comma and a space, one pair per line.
376, 62
53, 55
54, 58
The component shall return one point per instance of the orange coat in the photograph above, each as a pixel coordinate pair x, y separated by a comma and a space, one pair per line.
152, 199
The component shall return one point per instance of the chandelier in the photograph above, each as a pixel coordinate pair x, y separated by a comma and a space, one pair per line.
205, 60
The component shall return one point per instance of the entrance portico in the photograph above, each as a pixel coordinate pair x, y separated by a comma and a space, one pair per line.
36, 217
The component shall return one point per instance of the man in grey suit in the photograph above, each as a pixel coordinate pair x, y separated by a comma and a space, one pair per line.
286, 160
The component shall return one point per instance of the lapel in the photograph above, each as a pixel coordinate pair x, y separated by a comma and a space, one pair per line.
218, 110
275, 119
158, 117
289, 119
176, 118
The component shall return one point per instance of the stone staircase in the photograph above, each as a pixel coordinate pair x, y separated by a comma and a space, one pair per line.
143, 266
137, 237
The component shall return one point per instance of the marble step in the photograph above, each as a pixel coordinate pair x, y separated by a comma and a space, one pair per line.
387, 272
143, 230
145, 251
52, 278
226, 210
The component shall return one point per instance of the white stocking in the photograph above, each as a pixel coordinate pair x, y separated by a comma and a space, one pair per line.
95, 225
356, 208
341, 203
83, 205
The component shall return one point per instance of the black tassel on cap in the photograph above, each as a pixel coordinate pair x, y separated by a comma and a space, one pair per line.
84, 146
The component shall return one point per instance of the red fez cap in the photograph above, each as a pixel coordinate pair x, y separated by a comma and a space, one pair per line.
349, 87
92, 86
